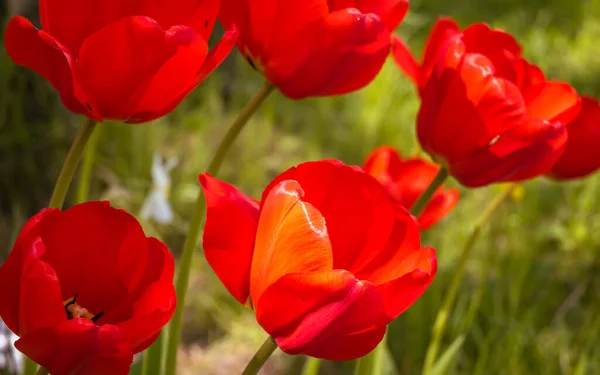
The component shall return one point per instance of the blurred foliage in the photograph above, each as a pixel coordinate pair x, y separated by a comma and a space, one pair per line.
530, 303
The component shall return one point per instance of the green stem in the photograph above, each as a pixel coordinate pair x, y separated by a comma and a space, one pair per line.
68, 169
87, 164
372, 363
42, 371
261, 356
311, 366
30, 367
424, 198
152, 361
441, 319
191, 240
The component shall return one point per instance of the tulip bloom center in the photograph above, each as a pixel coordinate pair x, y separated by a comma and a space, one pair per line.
74, 311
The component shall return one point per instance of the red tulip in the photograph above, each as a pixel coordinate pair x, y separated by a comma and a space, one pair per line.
125, 60
488, 115
582, 154
419, 73
407, 179
85, 289
315, 47
326, 259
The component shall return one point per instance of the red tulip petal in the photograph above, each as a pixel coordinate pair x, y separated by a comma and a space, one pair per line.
274, 23
335, 55
358, 211
323, 314
151, 313
582, 154
229, 233
384, 160
413, 179
528, 75
444, 29
41, 302
438, 207
392, 260
173, 80
291, 237
405, 60
418, 271
160, 268
391, 12
98, 252
78, 347
11, 272
553, 101
40, 52
73, 21
522, 153
211, 62
501, 48
476, 102
143, 48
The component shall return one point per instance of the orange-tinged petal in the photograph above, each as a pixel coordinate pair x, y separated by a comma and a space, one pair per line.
315, 313
229, 233
357, 209
416, 272
553, 101
291, 237
395, 258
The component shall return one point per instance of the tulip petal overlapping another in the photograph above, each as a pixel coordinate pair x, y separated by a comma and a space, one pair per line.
85, 289
487, 114
407, 179
582, 154
132, 61
326, 258
315, 47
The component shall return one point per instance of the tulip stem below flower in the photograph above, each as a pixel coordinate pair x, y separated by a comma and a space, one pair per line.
311, 366
68, 169
42, 371
443, 314
87, 164
185, 264
261, 356
424, 198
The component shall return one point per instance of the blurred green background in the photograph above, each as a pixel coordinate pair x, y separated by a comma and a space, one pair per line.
530, 302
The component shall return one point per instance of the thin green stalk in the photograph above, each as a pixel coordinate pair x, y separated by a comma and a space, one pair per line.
372, 363
311, 366
261, 356
87, 164
68, 169
30, 368
441, 319
424, 198
191, 240
42, 371
152, 361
